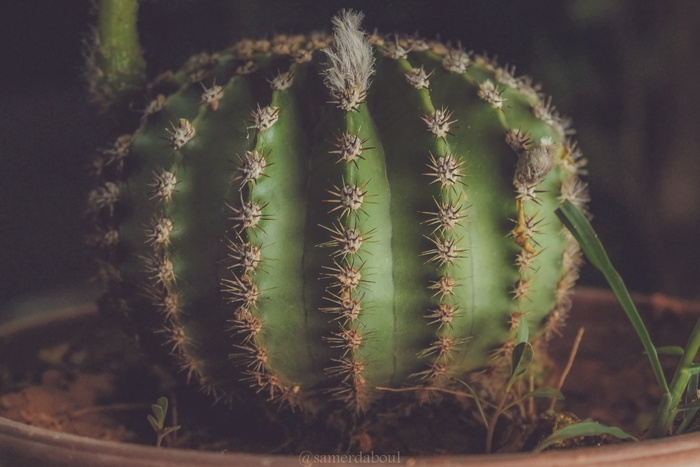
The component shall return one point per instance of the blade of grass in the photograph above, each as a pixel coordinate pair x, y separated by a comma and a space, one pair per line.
675, 350
588, 240
476, 400
686, 368
523, 355
585, 428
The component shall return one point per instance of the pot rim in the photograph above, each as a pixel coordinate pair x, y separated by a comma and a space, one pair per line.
60, 448
40, 446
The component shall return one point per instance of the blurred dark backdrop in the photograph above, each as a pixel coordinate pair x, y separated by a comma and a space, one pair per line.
625, 70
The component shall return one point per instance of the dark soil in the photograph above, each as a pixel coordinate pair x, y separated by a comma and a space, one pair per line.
86, 377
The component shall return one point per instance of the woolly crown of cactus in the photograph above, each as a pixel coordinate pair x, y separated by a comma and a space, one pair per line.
319, 217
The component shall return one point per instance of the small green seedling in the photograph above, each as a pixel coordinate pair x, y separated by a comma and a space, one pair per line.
157, 420
684, 383
521, 358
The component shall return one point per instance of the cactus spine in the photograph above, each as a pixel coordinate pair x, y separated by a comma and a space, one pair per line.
318, 217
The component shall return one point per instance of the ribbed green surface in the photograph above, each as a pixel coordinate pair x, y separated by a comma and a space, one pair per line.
276, 325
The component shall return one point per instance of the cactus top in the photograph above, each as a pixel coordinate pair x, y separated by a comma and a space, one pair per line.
321, 217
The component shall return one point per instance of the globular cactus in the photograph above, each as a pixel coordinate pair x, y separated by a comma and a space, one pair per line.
319, 217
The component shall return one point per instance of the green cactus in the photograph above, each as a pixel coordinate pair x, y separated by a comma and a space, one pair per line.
318, 217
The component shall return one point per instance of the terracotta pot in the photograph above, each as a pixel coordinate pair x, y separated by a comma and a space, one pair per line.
606, 329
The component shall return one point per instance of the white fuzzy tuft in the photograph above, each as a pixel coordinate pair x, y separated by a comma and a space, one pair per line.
350, 61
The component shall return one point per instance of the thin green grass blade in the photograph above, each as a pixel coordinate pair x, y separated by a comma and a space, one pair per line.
675, 350
586, 428
476, 400
523, 330
690, 406
547, 393
583, 232
523, 355
691, 394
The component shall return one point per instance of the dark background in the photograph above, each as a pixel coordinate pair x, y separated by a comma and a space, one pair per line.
627, 71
